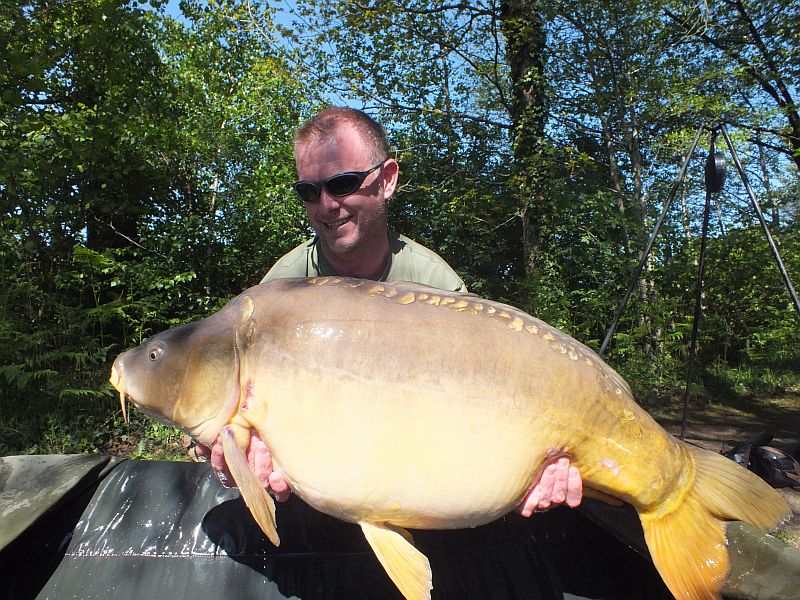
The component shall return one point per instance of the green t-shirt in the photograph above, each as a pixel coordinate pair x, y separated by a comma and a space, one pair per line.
409, 261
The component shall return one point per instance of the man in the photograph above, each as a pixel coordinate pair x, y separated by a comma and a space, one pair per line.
345, 179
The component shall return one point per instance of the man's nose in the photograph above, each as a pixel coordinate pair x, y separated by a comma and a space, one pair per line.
328, 202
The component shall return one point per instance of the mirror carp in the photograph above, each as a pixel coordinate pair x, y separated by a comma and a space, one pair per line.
383, 403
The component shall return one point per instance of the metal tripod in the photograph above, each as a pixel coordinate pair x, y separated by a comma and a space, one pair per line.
714, 178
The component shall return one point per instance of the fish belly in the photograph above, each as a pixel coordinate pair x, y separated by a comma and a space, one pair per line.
362, 451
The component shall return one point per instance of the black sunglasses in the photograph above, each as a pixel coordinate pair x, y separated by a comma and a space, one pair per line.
341, 184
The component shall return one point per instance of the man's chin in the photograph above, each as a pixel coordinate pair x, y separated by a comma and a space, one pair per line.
337, 244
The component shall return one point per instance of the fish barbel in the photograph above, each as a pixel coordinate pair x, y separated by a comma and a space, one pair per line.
405, 393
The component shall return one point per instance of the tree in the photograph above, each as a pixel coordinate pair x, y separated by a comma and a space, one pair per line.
238, 102
755, 43
143, 179
83, 83
525, 41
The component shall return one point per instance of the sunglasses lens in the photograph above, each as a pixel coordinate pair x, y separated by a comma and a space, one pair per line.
342, 185
308, 192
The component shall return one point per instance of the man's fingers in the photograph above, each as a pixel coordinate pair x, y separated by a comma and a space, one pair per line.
263, 468
217, 456
529, 503
545, 487
200, 452
560, 481
574, 487
219, 466
279, 487
262, 459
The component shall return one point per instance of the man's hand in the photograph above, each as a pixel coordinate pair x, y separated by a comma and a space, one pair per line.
560, 483
260, 460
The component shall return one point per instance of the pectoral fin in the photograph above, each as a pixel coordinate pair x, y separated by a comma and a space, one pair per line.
407, 567
255, 496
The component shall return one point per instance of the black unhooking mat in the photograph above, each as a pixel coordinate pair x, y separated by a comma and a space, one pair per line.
169, 529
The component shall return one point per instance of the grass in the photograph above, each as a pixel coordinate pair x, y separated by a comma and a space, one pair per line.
788, 537
89, 427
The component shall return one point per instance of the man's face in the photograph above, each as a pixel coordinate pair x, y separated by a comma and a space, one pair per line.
347, 223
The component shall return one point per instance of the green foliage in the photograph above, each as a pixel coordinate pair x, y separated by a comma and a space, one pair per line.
145, 165
144, 169
753, 48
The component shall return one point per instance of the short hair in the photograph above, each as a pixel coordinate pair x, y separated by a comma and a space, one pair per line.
325, 123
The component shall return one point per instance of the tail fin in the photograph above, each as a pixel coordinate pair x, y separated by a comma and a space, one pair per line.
687, 543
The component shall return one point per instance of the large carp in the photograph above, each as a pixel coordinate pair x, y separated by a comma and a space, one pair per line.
383, 403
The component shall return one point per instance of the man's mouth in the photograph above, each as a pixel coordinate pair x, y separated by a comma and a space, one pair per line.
337, 224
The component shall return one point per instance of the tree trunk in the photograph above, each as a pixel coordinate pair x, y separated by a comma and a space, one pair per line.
525, 42
616, 185
762, 162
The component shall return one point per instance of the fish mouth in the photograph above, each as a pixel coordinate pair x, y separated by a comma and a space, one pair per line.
116, 379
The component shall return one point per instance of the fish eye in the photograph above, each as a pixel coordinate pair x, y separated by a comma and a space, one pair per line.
155, 352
